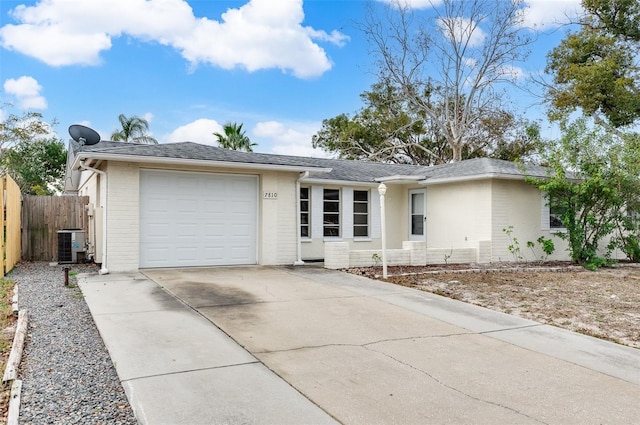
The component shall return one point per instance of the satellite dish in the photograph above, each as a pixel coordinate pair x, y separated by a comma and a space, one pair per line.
84, 135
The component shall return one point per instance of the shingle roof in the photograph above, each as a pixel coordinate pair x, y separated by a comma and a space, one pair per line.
484, 166
195, 151
341, 170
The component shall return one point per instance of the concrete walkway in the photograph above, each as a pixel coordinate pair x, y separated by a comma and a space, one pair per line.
313, 345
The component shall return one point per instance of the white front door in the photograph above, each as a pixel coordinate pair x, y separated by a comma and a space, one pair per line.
417, 214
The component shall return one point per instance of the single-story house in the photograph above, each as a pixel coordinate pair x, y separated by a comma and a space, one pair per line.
187, 204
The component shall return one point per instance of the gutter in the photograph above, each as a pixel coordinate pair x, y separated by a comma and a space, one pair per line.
400, 179
299, 261
438, 180
103, 190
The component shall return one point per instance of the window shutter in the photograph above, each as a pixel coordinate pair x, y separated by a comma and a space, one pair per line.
347, 212
376, 232
316, 212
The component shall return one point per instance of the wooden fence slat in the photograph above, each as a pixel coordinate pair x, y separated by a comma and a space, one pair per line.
12, 211
3, 183
43, 216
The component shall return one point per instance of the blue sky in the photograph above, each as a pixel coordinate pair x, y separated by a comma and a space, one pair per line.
278, 66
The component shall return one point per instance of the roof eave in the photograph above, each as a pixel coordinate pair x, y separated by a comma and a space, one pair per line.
83, 156
400, 179
457, 179
336, 182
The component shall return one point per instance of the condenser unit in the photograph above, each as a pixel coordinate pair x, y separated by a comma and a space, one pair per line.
70, 243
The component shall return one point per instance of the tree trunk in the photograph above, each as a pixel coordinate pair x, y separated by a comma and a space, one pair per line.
456, 149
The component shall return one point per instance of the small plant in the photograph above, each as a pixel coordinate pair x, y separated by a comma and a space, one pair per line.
376, 258
546, 245
514, 245
447, 256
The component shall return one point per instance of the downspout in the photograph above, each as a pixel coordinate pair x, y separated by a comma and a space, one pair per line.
103, 203
299, 261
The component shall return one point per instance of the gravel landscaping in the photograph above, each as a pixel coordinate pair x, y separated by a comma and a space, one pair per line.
67, 374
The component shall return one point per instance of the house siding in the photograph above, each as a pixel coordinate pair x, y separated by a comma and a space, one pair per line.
278, 219
458, 214
519, 204
123, 217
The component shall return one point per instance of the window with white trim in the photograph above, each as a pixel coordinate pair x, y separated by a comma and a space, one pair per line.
556, 210
361, 213
305, 213
331, 212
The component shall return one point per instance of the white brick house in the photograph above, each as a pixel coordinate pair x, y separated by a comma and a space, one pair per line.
186, 204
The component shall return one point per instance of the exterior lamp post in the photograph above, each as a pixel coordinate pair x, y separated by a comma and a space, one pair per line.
382, 189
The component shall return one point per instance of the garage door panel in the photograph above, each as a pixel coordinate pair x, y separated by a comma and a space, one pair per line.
186, 206
214, 254
197, 219
185, 254
238, 253
158, 255
213, 207
214, 234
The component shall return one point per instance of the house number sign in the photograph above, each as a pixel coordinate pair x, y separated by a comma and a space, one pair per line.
270, 195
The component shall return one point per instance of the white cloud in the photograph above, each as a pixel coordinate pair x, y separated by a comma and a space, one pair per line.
261, 34
412, 4
462, 31
148, 117
199, 131
294, 139
539, 14
26, 90
546, 14
514, 72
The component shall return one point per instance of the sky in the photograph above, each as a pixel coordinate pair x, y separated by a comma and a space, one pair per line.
279, 67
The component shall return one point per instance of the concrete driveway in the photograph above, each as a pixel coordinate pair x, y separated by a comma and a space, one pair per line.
367, 352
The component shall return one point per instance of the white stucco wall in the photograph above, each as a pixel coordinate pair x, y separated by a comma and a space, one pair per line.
519, 204
458, 214
278, 241
123, 216
470, 213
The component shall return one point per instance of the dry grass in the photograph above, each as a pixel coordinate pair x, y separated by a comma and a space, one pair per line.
7, 323
604, 303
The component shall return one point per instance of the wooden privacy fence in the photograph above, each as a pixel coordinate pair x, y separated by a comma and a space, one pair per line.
10, 242
43, 216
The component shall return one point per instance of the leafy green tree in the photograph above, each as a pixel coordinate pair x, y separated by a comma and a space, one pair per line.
389, 129
385, 130
134, 130
234, 138
594, 181
450, 69
31, 154
16, 129
595, 69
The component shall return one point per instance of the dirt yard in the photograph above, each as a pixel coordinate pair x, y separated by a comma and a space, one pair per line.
604, 304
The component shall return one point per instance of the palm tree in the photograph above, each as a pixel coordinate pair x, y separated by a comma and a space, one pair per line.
234, 138
133, 130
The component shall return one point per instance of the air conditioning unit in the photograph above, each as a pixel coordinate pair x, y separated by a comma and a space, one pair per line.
71, 242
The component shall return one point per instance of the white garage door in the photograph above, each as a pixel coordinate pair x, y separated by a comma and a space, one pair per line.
197, 219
